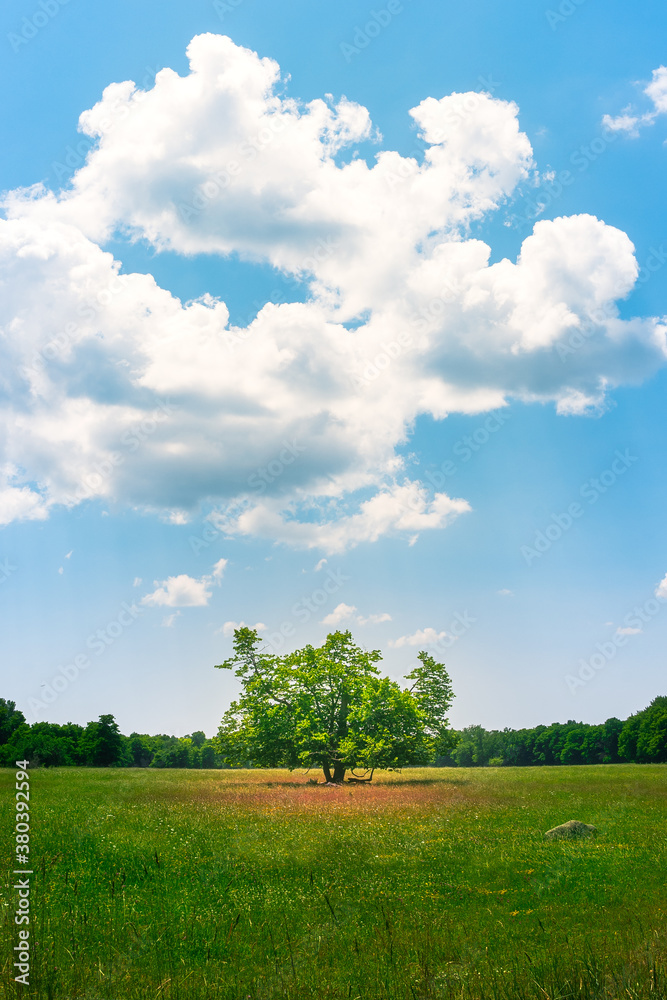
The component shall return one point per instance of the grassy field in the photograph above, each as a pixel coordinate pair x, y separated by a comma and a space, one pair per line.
430, 883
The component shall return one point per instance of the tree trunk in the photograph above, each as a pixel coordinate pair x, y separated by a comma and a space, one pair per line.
335, 778
341, 733
339, 774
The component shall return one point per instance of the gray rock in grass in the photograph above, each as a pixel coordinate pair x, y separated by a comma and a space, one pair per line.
573, 828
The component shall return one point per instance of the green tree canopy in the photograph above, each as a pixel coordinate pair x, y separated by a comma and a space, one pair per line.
10, 719
644, 735
328, 707
101, 742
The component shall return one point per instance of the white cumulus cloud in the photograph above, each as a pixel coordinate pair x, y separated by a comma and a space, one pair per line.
181, 591
185, 591
341, 613
115, 390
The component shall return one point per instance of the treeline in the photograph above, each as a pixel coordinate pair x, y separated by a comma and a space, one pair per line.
642, 738
99, 744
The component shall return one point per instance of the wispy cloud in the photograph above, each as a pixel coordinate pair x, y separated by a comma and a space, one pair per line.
375, 619
230, 627
422, 637
169, 620
632, 122
348, 612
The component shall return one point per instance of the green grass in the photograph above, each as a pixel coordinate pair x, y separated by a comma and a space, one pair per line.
430, 883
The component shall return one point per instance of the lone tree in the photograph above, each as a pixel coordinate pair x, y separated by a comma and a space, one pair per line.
330, 708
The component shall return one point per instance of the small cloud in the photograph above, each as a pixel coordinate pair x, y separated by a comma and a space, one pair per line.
168, 620
181, 591
341, 613
176, 517
320, 565
61, 571
219, 569
229, 628
375, 619
185, 591
69, 554
137, 581
628, 631
422, 637
661, 589
632, 123
506, 593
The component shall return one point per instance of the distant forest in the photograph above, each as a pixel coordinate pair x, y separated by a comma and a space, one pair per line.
642, 738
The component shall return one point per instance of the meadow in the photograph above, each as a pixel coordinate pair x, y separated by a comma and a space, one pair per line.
431, 883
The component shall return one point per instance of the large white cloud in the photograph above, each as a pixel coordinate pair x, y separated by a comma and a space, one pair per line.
113, 388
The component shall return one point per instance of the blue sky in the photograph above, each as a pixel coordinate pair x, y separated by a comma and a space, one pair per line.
275, 232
